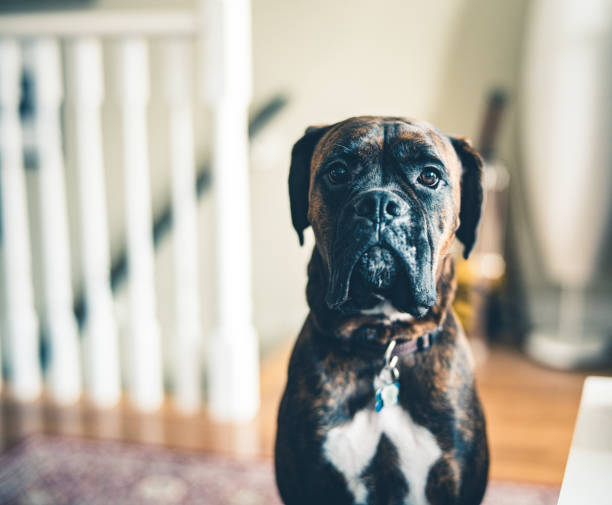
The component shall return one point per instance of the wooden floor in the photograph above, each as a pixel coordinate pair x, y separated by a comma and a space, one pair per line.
530, 412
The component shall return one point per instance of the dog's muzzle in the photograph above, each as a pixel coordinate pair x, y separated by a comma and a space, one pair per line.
382, 249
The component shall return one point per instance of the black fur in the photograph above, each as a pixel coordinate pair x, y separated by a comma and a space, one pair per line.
299, 178
471, 193
383, 235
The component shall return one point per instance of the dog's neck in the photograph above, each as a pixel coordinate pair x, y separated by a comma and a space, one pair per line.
376, 327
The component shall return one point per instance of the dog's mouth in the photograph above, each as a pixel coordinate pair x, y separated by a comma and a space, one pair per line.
380, 275
377, 269
374, 271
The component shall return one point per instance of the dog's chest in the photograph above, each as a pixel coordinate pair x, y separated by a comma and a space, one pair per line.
351, 447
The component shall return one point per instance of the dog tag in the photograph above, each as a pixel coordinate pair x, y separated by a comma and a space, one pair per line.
386, 382
387, 395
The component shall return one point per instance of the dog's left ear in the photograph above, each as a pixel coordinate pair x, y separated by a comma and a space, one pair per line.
299, 177
471, 192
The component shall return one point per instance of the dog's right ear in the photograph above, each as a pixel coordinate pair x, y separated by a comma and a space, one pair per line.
299, 177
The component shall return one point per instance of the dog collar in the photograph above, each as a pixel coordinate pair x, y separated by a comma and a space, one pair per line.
413, 345
370, 341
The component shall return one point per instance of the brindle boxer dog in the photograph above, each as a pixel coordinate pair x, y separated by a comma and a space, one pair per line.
385, 197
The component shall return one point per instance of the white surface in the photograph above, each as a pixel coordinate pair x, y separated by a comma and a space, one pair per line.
567, 353
91, 22
100, 343
234, 362
64, 374
145, 365
589, 467
21, 319
187, 362
567, 82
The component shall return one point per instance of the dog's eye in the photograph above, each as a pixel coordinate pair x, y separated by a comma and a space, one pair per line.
429, 177
338, 173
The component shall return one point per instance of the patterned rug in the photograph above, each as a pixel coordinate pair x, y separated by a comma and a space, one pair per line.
45, 470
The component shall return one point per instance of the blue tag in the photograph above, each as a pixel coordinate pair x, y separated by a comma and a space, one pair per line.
387, 395
379, 403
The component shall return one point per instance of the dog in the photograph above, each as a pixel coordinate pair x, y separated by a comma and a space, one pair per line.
380, 405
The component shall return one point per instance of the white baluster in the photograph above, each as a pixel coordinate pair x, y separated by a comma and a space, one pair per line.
64, 377
187, 347
234, 365
145, 342
21, 319
101, 354
2, 309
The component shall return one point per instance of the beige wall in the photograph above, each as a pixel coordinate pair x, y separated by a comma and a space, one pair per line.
433, 60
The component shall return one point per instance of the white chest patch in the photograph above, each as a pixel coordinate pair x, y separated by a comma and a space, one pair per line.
351, 446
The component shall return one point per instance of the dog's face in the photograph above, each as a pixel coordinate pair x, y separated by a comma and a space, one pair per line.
385, 198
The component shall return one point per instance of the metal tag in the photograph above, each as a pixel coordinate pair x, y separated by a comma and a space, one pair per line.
386, 382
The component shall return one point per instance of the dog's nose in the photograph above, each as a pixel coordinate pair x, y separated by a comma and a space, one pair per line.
380, 206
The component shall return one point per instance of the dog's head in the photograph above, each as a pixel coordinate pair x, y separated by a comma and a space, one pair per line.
385, 198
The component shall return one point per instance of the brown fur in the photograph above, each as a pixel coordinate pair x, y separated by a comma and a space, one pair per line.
337, 355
